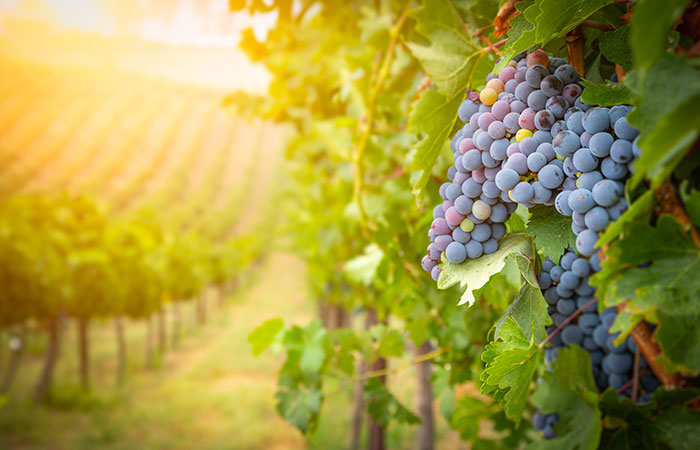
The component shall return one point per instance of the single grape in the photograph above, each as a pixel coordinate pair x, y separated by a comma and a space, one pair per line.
488, 96
522, 91
439, 226
569, 280
522, 134
481, 210
535, 74
434, 253
575, 122
606, 193
544, 120
581, 200
483, 141
435, 273
596, 120
537, 100
551, 85
497, 130
544, 281
559, 125
467, 225
463, 204
624, 130
621, 151
547, 150
527, 119
542, 137
620, 362
498, 149
566, 306
498, 230
568, 167
522, 192
517, 162
456, 253
474, 249
588, 323
616, 210
584, 160
496, 84
572, 334
566, 73
466, 110
438, 212
557, 105
597, 219
566, 143
538, 57
589, 179
550, 176
427, 264
536, 161
453, 191
618, 111
571, 92
466, 145
561, 203
586, 241
487, 161
481, 232
490, 246
441, 242
540, 194
461, 236
490, 189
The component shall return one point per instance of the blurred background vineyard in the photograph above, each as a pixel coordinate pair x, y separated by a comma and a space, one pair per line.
140, 234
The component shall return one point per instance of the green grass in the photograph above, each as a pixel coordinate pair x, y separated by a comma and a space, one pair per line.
208, 393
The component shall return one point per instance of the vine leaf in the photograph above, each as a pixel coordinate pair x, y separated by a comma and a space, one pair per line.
663, 420
667, 292
383, 406
606, 94
692, 207
263, 336
649, 28
641, 207
511, 361
363, 268
529, 310
544, 20
569, 390
475, 273
451, 53
615, 46
666, 114
433, 115
551, 230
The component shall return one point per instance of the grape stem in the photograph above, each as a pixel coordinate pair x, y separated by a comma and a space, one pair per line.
568, 320
574, 46
493, 47
626, 386
669, 203
635, 376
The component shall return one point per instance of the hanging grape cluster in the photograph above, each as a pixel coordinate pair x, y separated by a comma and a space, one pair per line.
530, 140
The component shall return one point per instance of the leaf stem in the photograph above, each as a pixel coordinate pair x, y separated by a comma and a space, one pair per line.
568, 320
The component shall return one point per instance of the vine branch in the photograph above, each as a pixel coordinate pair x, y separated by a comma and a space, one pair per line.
568, 320
383, 74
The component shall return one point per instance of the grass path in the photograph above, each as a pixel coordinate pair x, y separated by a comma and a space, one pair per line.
211, 393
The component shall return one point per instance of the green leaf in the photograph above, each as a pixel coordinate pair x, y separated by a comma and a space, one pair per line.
383, 406
641, 207
451, 55
662, 422
529, 310
692, 207
298, 406
569, 390
314, 352
649, 28
672, 136
263, 336
475, 273
433, 115
511, 361
545, 20
551, 230
607, 94
363, 268
615, 46
667, 292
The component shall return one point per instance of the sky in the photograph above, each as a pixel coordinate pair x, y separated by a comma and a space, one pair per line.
192, 22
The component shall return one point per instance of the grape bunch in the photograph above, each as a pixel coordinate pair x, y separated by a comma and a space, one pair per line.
503, 156
566, 290
598, 148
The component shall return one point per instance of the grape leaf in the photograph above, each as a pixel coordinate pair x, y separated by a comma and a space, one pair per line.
551, 230
529, 310
663, 420
298, 406
615, 46
666, 115
263, 336
606, 94
511, 361
547, 19
641, 207
667, 292
383, 406
451, 54
433, 115
363, 268
649, 28
475, 273
569, 390
692, 207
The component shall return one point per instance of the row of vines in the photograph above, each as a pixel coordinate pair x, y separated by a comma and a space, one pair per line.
373, 89
66, 260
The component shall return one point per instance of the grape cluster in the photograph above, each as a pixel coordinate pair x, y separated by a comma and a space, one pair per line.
504, 155
598, 148
566, 290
